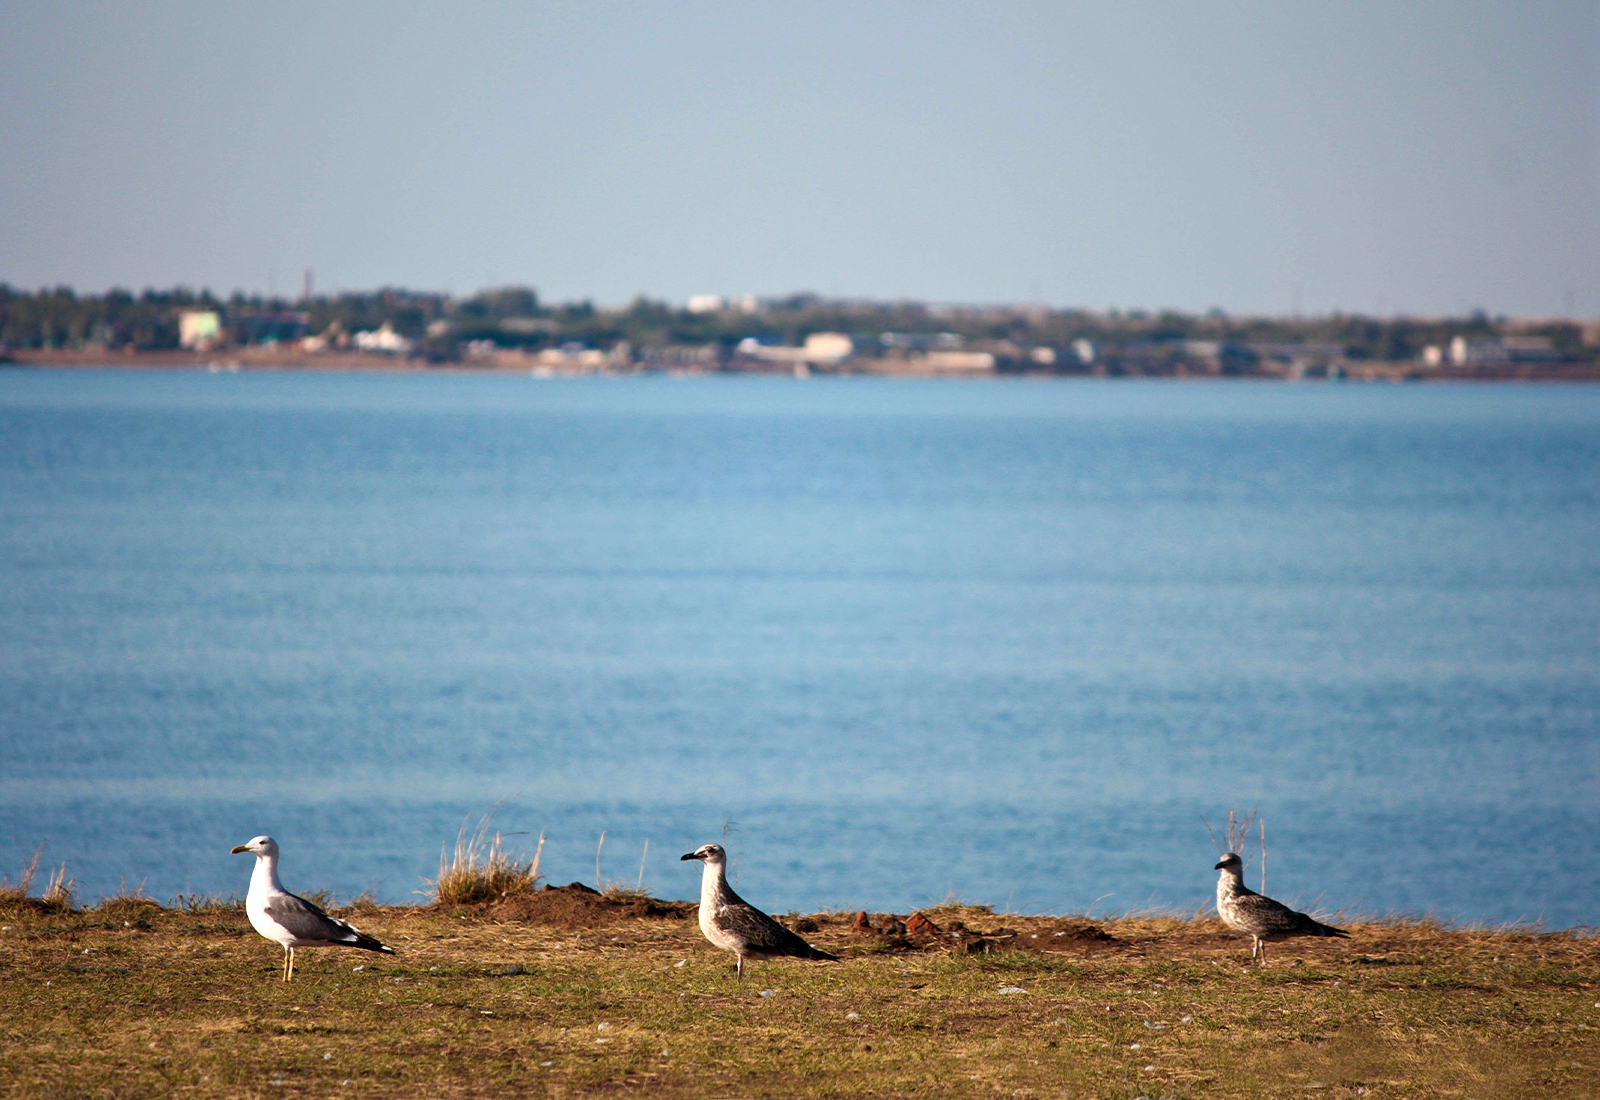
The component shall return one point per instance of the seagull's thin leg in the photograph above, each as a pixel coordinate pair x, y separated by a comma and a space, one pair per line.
741, 967
289, 976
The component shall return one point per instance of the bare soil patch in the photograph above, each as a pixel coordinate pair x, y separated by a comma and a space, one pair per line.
577, 907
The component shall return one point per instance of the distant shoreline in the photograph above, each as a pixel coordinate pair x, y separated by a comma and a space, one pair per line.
281, 359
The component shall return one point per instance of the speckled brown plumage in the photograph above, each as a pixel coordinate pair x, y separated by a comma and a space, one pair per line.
1264, 920
735, 925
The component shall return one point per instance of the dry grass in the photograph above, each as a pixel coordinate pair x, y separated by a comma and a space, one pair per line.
188, 1003
621, 892
129, 905
624, 894
57, 897
481, 870
364, 902
208, 903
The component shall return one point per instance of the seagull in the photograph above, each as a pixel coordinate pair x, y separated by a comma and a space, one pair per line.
291, 920
1266, 921
733, 924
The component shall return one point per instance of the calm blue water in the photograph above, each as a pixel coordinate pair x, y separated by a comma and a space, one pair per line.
1009, 641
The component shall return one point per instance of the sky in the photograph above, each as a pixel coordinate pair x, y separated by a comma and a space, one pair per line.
1395, 157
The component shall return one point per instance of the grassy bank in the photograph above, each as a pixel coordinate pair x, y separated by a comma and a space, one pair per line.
131, 1000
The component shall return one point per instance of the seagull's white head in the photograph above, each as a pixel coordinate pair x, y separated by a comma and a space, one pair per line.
259, 846
1230, 862
709, 854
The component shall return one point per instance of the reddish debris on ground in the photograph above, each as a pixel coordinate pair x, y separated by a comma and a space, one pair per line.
919, 925
862, 924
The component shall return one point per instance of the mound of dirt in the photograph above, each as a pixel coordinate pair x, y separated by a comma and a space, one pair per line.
1055, 935
577, 906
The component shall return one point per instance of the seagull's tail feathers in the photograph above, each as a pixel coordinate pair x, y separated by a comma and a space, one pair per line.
790, 944
367, 943
1311, 927
354, 937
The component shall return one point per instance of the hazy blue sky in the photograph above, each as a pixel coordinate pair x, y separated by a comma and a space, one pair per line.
1420, 157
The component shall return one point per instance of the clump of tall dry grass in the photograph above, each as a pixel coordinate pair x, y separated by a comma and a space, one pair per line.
57, 896
364, 902
621, 892
481, 870
126, 903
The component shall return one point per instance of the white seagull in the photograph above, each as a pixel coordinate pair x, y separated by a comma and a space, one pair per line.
735, 925
1264, 920
288, 919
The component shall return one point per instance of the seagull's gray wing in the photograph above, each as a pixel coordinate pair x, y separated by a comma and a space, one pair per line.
1265, 917
309, 924
761, 934
1262, 915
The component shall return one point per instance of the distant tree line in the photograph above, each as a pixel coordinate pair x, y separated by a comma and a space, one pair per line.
59, 318
514, 317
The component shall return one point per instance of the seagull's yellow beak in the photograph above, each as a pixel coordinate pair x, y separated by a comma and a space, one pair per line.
240, 848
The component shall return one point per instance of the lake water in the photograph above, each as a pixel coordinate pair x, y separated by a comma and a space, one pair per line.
1008, 641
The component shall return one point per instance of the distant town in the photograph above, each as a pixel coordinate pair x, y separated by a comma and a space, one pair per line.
511, 329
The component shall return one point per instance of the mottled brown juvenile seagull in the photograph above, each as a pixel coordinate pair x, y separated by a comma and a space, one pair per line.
735, 925
289, 919
1266, 921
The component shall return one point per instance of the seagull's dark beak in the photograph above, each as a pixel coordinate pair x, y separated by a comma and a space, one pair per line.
240, 848
691, 855
1218, 867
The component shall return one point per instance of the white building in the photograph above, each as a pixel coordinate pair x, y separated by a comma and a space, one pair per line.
386, 339
825, 348
199, 328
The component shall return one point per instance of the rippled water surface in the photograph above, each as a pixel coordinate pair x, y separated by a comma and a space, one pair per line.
1009, 641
